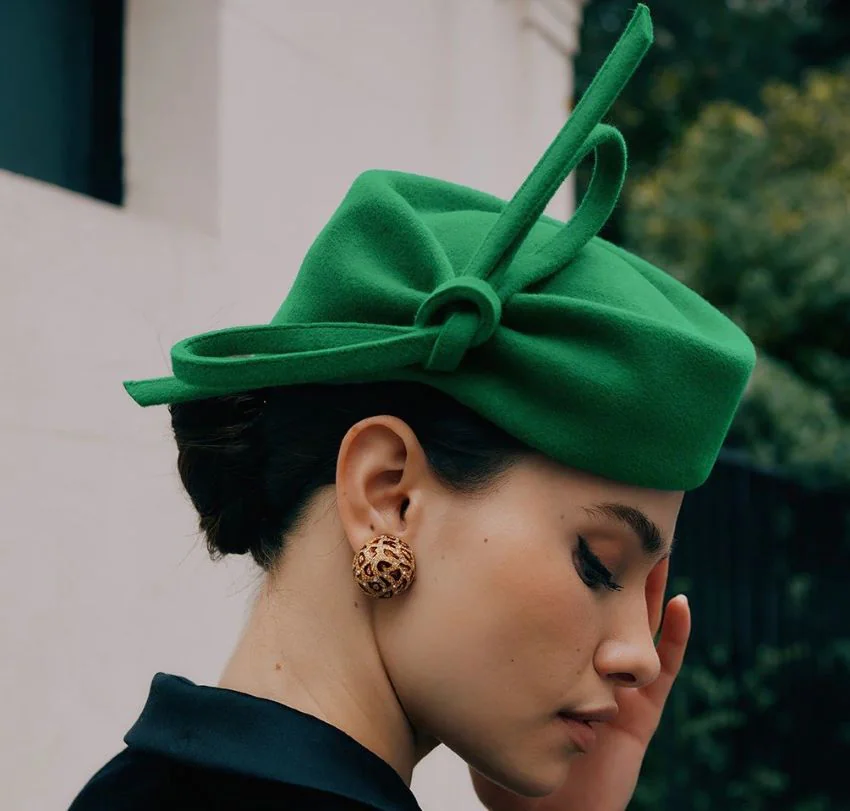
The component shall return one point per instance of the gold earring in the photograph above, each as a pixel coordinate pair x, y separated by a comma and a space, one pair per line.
384, 567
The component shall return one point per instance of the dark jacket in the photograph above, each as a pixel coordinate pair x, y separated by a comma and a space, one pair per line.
199, 747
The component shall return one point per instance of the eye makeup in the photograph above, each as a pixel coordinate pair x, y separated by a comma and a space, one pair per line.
592, 571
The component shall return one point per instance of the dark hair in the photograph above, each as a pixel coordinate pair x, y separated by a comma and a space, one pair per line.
251, 462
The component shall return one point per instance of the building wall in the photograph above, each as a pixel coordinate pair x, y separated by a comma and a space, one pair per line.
246, 120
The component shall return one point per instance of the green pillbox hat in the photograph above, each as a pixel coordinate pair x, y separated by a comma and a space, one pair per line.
577, 347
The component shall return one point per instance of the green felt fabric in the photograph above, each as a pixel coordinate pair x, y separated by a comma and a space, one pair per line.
584, 351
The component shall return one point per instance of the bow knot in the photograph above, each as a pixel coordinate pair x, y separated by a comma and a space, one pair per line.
474, 312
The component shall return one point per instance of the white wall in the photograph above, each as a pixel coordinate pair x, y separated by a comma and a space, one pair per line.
246, 120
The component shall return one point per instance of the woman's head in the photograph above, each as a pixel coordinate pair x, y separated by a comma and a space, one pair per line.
513, 615
510, 619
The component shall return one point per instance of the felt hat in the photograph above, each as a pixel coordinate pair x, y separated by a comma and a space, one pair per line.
582, 350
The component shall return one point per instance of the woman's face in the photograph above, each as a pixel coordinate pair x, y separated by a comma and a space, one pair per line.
513, 616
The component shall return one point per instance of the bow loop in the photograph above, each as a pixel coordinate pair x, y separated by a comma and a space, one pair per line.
609, 173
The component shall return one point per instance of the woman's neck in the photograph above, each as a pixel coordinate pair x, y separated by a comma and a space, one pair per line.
308, 644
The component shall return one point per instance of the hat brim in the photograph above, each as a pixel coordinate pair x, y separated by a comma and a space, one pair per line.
161, 390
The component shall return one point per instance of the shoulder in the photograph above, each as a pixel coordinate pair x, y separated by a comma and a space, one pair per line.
132, 781
140, 781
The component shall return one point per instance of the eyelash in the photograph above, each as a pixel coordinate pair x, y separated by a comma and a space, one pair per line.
592, 572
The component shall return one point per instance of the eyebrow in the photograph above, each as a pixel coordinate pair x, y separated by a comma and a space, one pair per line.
651, 537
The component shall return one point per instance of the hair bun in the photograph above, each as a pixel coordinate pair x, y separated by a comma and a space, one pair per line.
225, 437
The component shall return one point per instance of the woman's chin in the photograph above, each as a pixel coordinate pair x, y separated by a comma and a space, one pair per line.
522, 782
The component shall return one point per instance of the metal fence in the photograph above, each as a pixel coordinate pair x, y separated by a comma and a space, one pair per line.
763, 559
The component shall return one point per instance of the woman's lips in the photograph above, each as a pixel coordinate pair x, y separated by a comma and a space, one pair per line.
581, 732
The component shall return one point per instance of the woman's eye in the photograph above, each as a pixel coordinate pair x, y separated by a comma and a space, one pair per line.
592, 571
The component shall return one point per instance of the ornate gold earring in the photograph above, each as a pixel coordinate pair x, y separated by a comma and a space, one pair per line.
384, 567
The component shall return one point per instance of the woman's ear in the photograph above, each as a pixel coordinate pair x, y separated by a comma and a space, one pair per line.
382, 480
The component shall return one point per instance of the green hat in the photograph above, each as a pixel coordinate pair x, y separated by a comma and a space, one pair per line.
577, 347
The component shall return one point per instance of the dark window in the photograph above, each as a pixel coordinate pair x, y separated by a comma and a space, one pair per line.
61, 65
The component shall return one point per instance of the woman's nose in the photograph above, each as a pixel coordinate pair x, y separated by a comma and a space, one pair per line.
628, 657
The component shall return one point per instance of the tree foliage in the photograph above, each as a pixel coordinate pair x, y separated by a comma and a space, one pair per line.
705, 51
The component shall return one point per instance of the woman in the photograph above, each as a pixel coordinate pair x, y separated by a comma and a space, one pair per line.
458, 452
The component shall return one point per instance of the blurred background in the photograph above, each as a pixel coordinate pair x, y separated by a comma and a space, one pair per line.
165, 164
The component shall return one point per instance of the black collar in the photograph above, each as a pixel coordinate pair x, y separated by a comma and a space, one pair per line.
220, 728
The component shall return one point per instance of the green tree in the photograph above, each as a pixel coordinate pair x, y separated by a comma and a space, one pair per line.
705, 51
753, 212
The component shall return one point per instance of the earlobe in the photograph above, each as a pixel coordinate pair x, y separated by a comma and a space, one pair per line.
379, 479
